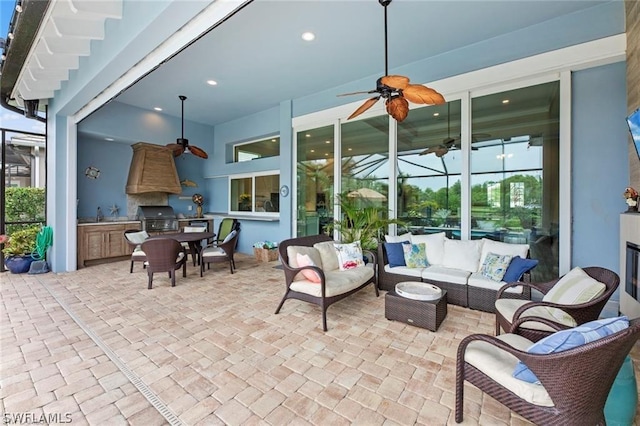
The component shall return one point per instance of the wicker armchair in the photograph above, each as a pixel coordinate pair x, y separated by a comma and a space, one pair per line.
221, 252
531, 320
574, 386
164, 255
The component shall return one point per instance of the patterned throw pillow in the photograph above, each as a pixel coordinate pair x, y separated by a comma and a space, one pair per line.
349, 255
568, 339
495, 266
574, 288
415, 255
305, 260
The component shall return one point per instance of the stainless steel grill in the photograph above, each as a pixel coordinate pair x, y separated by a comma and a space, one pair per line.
158, 218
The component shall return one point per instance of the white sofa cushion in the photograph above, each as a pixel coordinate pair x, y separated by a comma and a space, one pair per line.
398, 238
490, 246
508, 307
434, 246
328, 255
337, 282
462, 254
478, 280
403, 270
440, 273
499, 366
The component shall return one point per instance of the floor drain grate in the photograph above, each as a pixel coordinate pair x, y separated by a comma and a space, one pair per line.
133, 378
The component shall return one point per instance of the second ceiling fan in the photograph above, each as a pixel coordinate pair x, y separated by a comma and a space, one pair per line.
182, 145
396, 89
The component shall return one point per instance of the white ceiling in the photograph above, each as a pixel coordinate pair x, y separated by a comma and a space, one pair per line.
259, 58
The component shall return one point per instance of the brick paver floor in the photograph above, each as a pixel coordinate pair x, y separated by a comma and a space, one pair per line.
96, 347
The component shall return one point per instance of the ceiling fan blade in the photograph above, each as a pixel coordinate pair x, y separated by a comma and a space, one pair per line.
419, 94
398, 82
365, 106
439, 150
176, 148
198, 152
357, 93
398, 108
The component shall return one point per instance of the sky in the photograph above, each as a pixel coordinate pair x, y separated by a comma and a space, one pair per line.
10, 119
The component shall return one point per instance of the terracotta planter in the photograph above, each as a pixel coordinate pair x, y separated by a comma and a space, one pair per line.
18, 264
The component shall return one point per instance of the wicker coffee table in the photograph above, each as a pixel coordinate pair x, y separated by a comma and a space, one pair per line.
425, 314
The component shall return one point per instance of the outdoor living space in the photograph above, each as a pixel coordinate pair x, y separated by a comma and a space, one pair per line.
95, 346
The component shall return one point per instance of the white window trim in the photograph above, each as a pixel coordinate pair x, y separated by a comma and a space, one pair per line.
549, 66
253, 193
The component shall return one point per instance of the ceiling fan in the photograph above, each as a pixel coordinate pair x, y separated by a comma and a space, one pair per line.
451, 143
182, 145
395, 89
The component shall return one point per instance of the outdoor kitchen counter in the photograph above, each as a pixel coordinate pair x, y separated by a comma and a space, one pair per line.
100, 242
109, 222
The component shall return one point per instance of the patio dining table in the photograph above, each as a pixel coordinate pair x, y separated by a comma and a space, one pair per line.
191, 238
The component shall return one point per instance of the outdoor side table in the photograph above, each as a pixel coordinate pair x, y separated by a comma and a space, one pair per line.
427, 314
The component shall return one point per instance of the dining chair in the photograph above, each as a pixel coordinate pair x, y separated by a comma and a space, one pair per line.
164, 255
134, 238
220, 252
186, 245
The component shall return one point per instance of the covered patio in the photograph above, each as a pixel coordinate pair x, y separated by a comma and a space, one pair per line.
97, 347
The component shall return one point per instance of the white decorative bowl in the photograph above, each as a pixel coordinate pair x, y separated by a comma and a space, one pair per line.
418, 291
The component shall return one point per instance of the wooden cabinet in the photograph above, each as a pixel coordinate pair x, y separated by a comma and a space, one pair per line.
103, 241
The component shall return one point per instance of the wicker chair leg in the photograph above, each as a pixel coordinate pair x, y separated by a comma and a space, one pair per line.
172, 274
150, 274
231, 266
184, 270
131, 269
201, 267
497, 327
459, 391
324, 318
282, 302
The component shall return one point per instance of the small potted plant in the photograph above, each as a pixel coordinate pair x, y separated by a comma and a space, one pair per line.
18, 249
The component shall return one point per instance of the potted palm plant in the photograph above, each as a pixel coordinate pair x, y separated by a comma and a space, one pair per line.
18, 249
362, 220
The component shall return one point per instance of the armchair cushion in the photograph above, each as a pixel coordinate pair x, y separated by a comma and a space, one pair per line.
305, 260
498, 364
349, 255
508, 307
337, 282
328, 255
415, 255
495, 266
395, 253
229, 236
574, 288
567, 339
517, 268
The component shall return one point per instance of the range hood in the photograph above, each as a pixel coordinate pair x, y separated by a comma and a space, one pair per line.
152, 170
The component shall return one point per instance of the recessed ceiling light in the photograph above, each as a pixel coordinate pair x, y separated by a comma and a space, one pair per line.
308, 36
308, 135
505, 101
212, 82
273, 140
436, 114
327, 141
349, 149
157, 108
108, 139
313, 150
326, 154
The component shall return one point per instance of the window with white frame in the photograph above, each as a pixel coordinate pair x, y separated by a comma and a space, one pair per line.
263, 148
255, 193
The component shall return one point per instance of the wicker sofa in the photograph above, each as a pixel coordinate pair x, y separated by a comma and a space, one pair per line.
333, 284
454, 266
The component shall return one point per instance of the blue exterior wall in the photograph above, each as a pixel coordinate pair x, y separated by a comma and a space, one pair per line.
599, 164
158, 19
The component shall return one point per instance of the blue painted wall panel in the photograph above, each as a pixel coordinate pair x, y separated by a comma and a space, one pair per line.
600, 166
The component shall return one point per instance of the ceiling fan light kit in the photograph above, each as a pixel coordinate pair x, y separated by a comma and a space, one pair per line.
396, 89
182, 144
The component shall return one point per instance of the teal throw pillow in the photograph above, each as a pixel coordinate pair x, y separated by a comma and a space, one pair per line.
415, 255
568, 339
495, 266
